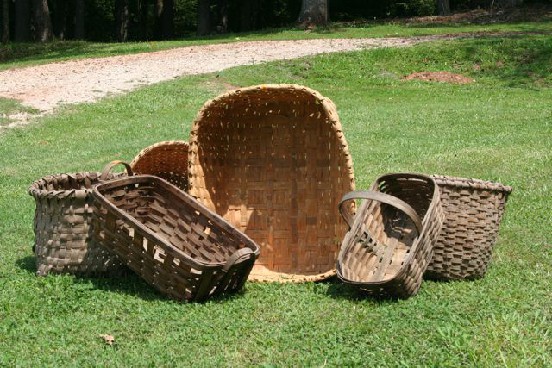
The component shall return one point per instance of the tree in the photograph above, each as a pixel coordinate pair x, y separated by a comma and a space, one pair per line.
203, 17
42, 21
443, 7
80, 11
122, 18
164, 19
5, 21
313, 13
22, 20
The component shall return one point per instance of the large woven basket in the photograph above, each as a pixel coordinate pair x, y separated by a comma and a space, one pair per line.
473, 211
64, 240
274, 162
167, 160
391, 237
175, 244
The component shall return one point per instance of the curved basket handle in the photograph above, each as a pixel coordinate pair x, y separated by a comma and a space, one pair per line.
107, 169
383, 198
239, 256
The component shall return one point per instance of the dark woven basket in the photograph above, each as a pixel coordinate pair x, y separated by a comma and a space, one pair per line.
274, 162
175, 244
64, 240
167, 160
473, 210
390, 241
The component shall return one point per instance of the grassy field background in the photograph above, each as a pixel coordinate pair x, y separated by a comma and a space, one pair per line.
498, 128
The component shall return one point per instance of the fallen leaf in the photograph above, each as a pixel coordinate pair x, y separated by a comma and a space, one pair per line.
108, 339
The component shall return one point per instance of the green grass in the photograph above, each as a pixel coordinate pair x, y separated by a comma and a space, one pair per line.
9, 107
498, 128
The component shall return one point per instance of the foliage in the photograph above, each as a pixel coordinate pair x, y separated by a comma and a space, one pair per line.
497, 128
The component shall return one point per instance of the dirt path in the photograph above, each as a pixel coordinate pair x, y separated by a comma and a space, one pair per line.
46, 87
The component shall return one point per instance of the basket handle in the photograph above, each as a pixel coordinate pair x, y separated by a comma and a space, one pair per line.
107, 169
239, 256
383, 198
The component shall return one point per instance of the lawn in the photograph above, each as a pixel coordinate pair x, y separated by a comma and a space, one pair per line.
497, 128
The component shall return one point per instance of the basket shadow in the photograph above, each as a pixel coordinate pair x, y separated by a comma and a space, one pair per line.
27, 263
133, 285
342, 291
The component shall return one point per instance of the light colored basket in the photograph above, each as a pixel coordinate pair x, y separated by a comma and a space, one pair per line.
167, 160
473, 211
273, 161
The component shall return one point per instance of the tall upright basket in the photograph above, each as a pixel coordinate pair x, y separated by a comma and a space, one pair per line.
273, 161
473, 212
64, 238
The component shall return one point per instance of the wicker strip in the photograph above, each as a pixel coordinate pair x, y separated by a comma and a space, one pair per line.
390, 241
473, 211
175, 244
64, 240
274, 162
167, 160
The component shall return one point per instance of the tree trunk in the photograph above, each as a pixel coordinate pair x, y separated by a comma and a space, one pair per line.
164, 19
22, 20
122, 18
203, 17
249, 15
223, 14
443, 7
60, 19
313, 13
80, 28
5, 21
42, 21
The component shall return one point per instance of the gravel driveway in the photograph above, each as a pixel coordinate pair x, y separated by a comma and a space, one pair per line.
48, 86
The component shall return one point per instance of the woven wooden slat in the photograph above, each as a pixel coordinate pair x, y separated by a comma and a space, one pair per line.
391, 238
181, 248
274, 162
167, 160
473, 211
64, 239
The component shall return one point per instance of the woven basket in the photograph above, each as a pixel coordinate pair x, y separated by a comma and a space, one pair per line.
274, 162
167, 160
64, 240
390, 241
473, 210
175, 244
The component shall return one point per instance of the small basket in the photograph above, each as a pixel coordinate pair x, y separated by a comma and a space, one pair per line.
167, 160
274, 162
64, 240
175, 244
473, 210
390, 241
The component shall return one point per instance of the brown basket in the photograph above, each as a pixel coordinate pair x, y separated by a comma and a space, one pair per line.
274, 162
175, 244
473, 210
390, 241
167, 160
64, 240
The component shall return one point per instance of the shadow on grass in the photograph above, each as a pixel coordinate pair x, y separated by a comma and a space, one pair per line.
339, 290
27, 263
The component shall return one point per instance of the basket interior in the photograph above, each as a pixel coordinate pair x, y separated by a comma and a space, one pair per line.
167, 160
273, 162
174, 220
382, 238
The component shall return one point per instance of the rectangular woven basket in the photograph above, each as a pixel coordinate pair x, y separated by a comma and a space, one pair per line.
390, 241
64, 240
473, 211
175, 244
